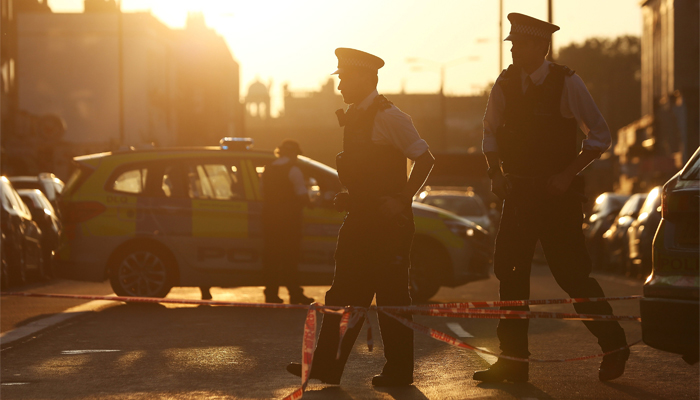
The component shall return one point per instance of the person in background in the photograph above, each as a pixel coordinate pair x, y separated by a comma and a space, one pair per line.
284, 197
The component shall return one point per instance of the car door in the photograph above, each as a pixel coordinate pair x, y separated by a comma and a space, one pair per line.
220, 231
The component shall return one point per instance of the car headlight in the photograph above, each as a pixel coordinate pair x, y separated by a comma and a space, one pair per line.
464, 230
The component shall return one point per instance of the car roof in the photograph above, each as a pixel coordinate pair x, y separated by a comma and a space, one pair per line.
23, 178
30, 192
455, 193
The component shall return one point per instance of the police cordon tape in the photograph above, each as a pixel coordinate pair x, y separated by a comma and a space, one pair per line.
351, 315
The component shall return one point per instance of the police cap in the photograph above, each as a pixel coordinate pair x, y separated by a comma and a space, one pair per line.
526, 27
356, 60
289, 147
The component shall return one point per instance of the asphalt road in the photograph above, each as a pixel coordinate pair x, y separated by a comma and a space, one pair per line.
137, 351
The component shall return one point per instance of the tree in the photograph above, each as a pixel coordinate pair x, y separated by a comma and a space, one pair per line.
611, 69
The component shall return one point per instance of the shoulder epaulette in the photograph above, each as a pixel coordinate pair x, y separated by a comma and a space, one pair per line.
382, 103
562, 68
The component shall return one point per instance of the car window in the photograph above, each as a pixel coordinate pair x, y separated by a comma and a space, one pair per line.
632, 205
219, 181
131, 181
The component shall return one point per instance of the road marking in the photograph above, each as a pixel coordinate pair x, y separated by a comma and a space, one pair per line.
36, 326
487, 357
457, 329
14, 383
68, 352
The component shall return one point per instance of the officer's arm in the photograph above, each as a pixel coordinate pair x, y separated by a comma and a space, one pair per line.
419, 174
499, 184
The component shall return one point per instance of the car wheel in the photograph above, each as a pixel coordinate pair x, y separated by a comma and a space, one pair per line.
427, 261
143, 272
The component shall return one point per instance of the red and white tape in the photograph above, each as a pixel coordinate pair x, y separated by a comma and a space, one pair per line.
515, 303
443, 337
352, 315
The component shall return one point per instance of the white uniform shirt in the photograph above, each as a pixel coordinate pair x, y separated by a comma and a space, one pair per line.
394, 127
576, 102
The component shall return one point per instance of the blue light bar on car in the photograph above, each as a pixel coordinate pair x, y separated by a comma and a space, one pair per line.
236, 143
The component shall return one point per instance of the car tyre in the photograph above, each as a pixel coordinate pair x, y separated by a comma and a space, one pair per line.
142, 271
427, 261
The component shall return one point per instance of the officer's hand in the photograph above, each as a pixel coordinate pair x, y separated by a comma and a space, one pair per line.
391, 207
500, 186
559, 184
341, 202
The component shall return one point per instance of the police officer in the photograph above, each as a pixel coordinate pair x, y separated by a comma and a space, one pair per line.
530, 129
372, 252
285, 195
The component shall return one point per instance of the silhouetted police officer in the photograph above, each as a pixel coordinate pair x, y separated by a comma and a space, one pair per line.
374, 243
530, 128
285, 195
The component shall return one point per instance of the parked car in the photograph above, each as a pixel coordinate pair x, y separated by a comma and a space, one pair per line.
44, 215
641, 234
151, 219
47, 182
615, 241
669, 308
21, 236
461, 201
604, 212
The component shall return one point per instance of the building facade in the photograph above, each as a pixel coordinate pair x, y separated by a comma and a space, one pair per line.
103, 80
653, 148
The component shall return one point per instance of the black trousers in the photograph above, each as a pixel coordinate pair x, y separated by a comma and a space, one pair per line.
282, 250
371, 257
556, 223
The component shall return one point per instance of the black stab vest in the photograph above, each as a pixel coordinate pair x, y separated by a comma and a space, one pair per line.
280, 199
535, 139
366, 169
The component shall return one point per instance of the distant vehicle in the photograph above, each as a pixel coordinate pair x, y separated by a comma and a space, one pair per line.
604, 212
45, 216
641, 232
669, 308
151, 219
47, 182
615, 241
22, 236
461, 201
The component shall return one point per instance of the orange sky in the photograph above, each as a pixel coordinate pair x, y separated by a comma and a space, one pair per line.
293, 41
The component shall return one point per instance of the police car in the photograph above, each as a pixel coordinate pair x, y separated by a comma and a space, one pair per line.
152, 219
669, 308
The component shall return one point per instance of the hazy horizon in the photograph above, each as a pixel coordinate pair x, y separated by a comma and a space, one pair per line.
293, 42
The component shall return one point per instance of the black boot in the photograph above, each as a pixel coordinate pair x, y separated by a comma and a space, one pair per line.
272, 296
613, 365
295, 369
503, 369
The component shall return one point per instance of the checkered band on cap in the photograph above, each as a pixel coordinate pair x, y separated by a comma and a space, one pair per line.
530, 31
358, 63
